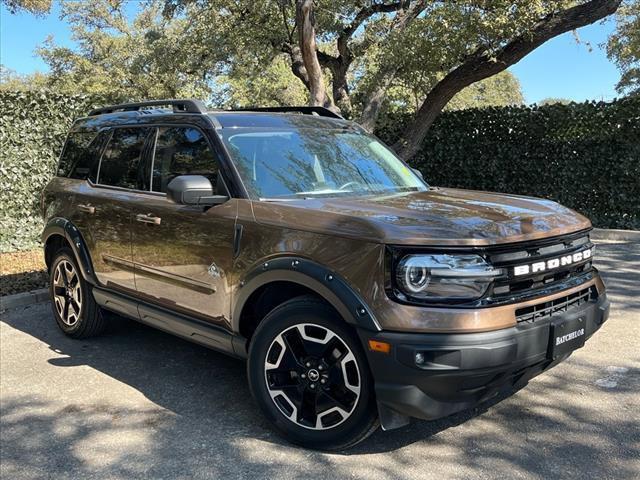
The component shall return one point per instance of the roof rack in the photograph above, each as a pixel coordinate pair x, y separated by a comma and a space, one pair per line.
306, 110
179, 106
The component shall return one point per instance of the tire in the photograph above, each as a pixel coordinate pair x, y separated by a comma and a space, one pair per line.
74, 308
310, 377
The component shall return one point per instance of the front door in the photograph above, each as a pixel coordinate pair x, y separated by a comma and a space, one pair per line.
183, 254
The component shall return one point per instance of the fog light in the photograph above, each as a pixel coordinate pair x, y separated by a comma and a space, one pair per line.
419, 358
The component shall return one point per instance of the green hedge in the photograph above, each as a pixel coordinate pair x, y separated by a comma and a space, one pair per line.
586, 156
33, 126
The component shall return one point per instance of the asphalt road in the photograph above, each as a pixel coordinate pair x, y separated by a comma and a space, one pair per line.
138, 403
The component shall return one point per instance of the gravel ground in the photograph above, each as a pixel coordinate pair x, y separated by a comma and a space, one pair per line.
22, 272
138, 403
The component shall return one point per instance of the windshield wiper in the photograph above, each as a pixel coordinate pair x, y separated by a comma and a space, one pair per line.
340, 193
305, 195
322, 192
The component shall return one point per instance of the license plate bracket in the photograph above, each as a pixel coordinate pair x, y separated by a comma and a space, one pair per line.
567, 334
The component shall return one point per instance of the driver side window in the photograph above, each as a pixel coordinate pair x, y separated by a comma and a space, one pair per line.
182, 151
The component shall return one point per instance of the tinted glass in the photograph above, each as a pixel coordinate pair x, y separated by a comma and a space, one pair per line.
181, 151
121, 164
305, 162
80, 155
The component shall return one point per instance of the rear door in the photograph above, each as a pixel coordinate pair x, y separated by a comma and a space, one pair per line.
78, 167
183, 254
104, 207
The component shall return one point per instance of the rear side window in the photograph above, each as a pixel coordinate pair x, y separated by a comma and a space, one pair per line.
182, 151
121, 164
80, 156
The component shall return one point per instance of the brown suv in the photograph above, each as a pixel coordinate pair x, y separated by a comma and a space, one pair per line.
359, 294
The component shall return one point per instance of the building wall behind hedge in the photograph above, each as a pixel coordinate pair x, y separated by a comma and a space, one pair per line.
587, 156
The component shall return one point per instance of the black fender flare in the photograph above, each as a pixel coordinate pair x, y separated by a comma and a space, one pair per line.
65, 228
326, 283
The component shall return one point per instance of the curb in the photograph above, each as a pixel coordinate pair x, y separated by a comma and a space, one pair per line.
26, 298
615, 235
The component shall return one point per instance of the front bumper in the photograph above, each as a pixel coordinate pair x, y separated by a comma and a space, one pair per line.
461, 370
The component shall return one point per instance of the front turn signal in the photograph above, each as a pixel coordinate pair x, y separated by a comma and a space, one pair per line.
378, 346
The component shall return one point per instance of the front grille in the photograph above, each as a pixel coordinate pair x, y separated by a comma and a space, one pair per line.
563, 304
514, 287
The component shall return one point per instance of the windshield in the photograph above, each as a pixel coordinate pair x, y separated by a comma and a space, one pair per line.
311, 162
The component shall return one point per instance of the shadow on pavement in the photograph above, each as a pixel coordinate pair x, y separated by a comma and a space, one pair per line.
204, 422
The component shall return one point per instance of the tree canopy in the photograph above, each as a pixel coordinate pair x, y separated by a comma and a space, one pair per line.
37, 7
122, 58
554, 101
11, 80
624, 46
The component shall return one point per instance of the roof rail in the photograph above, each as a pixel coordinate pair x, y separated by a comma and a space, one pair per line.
179, 106
306, 110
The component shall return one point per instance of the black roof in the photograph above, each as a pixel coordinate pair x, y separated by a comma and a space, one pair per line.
194, 111
142, 117
273, 120
189, 105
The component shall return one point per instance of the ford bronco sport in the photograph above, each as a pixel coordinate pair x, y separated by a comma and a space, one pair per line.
360, 295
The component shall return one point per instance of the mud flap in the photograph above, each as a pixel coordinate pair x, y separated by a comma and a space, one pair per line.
390, 419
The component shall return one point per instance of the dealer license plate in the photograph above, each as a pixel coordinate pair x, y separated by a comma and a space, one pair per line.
567, 334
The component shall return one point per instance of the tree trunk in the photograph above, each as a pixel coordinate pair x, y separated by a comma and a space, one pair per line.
375, 100
308, 48
411, 140
341, 90
297, 63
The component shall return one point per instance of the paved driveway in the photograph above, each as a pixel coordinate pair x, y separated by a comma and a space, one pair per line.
140, 403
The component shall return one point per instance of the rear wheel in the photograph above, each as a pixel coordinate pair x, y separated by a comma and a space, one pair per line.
74, 307
308, 373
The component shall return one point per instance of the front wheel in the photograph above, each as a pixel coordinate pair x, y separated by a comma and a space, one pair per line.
309, 375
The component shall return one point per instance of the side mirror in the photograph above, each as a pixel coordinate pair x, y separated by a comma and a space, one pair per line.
417, 172
193, 190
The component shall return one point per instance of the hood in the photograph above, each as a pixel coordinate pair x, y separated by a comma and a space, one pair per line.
439, 216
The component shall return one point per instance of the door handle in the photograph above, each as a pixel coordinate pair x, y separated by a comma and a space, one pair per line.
148, 218
87, 208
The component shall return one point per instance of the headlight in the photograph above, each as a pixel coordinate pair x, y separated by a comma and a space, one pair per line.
439, 276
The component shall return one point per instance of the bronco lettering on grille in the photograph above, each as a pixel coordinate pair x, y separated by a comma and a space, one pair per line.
553, 263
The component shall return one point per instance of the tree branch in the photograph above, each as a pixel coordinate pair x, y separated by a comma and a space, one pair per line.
364, 14
482, 64
297, 63
371, 10
385, 76
328, 61
340, 65
283, 10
